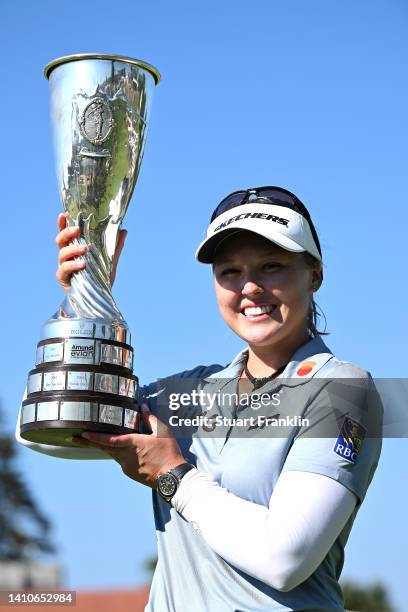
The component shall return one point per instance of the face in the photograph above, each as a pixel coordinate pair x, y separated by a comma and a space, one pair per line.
263, 291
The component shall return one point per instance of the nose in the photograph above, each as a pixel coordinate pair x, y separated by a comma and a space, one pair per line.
251, 287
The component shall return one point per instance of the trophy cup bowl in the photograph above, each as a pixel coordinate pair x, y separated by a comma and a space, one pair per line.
83, 375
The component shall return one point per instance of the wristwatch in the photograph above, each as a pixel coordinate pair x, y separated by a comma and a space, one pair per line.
168, 483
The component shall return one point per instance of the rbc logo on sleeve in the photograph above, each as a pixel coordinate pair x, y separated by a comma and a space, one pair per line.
350, 440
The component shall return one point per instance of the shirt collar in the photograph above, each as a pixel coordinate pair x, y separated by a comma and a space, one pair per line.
306, 361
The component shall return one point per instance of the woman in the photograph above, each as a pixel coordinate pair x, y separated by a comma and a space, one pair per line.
254, 516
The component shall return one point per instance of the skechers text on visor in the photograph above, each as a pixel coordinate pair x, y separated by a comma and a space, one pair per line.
283, 226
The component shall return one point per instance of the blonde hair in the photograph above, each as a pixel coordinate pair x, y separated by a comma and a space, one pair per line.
314, 315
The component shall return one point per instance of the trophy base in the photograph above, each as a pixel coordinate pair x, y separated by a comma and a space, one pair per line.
59, 433
81, 382
53, 418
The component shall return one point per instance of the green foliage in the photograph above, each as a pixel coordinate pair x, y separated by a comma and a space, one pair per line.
368, 598
150, 565
24, 529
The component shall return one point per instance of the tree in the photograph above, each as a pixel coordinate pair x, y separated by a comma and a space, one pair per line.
24, 529
150, 565
369, 598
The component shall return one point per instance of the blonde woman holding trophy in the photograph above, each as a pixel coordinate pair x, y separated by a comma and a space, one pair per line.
252, 511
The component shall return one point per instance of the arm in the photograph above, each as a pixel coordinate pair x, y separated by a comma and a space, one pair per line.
281, 545
315, 495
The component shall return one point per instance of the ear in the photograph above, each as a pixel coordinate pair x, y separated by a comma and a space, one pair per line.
316, 278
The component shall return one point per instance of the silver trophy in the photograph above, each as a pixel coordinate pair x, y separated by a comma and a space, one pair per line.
83, 376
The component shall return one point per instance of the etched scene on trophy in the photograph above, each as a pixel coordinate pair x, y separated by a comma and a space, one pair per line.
98, 161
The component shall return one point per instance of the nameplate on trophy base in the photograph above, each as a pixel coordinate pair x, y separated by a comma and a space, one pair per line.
47, 411
34, 383
54, 381
110, 414
78, 411
80, 381
53, 352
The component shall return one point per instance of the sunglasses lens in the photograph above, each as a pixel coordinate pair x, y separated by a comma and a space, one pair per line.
231, 201
278, 197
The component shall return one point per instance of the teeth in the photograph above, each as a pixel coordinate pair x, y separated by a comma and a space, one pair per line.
257, 310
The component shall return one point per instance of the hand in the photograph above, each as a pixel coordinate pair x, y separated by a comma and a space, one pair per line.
142, 457
68, 262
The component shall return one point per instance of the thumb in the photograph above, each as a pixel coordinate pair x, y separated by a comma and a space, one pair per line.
156, 425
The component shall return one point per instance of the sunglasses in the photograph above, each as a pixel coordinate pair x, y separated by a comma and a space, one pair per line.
266, 195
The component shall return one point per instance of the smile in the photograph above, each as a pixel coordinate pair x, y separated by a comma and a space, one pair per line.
255, 312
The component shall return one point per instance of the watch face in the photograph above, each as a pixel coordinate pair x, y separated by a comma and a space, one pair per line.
167, 485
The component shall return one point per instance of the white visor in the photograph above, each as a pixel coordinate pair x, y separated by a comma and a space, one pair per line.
281, 225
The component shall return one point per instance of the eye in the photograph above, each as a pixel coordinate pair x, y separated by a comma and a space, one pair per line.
229, 271
271, 265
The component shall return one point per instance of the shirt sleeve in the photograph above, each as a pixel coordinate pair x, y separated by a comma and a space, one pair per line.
281, 545
341, 432
156, 394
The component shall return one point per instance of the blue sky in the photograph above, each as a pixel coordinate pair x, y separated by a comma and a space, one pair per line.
311, 96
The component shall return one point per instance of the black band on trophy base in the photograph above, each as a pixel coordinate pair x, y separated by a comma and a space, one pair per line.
54, 418
84, 351
81, 378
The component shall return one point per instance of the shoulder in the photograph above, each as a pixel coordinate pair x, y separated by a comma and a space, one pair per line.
339, 368
199, 372
343, 378
351, 392
316, 359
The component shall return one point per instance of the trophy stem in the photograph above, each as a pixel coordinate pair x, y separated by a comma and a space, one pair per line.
91, 296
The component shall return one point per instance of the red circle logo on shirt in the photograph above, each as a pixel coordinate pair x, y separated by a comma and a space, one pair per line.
305, 368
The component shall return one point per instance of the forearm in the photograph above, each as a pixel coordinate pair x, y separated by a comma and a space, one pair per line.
281, 545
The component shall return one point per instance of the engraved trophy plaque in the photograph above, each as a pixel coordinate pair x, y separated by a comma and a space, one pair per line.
83, 375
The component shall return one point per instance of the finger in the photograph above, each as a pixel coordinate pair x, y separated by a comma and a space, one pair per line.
156, 425
62, 221
121, 441
80, 441
69, 252
66, 236
87, 444
114, 454
67, 269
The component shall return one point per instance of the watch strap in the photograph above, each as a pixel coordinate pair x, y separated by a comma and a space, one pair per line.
181, 470
176, 474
